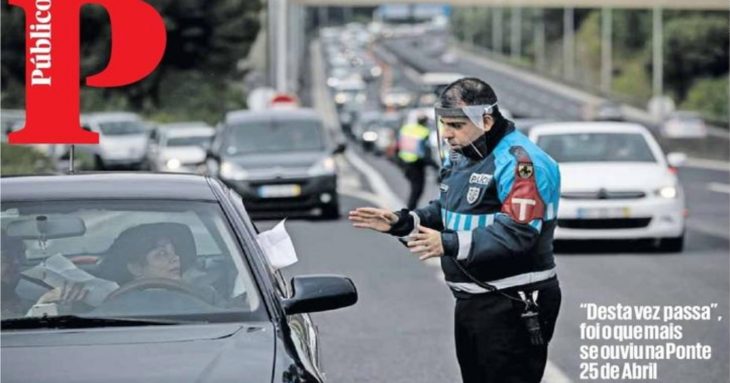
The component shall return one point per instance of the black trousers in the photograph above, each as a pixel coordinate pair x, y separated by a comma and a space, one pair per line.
416, 176
492, 343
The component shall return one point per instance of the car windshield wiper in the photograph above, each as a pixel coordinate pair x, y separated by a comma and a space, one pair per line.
74, 321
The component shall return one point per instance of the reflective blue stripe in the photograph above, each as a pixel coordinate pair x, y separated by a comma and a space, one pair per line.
537, 224
467, 222
450, 219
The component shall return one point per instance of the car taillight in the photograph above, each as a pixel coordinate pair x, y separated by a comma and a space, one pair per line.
673, 170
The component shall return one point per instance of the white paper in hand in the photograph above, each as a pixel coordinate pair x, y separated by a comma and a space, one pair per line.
277, 246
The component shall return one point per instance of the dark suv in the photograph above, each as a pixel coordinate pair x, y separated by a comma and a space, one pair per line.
280, 161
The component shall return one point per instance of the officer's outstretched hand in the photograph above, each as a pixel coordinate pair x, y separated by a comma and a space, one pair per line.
373, 218
426, 243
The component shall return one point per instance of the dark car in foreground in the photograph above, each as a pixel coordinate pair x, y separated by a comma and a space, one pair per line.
281, 161
157, 278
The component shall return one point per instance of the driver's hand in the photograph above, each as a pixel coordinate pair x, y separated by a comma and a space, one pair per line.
68, 293
373, 218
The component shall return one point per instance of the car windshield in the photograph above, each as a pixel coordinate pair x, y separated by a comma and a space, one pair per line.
597, 147
276, 136
121, 128
202, 141
135, 259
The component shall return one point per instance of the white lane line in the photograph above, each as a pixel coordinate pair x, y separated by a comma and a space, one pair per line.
708, 164
718, 187
376, 181
386, 198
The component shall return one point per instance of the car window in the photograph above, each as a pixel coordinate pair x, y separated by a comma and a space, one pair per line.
277, 136
134, 258
121, 128
201, 141
597, 147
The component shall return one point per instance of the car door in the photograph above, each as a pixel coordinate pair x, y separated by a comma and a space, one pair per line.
302, 331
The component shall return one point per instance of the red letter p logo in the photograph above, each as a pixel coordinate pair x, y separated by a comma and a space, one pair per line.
52, 63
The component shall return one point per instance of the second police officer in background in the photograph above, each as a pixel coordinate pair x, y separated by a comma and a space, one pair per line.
492, 228
414, 154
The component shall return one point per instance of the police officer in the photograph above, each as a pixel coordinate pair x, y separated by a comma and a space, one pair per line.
492, 228
414, 155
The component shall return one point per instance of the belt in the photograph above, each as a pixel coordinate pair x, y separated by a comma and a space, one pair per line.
504, 283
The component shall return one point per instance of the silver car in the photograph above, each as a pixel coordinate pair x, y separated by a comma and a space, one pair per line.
123, 140
179, 147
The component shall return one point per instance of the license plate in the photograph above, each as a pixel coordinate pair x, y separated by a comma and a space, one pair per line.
279, 191
602, 213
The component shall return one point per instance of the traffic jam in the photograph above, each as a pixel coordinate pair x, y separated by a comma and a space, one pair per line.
357, 226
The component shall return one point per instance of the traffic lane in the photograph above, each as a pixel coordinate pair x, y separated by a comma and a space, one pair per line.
706, 207
689, 278
401, 329
708, 201
513, 93
519, 98
395, 177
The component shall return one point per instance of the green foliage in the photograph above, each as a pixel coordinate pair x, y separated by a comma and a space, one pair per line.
192, 95
696, 47
710, 97
22, 159
631, 80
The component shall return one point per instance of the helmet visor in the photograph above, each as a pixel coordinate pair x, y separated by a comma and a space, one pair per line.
475, 113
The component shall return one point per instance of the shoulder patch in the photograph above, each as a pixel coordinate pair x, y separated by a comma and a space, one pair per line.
523, 203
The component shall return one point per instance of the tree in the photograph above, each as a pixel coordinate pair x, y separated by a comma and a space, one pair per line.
696, 46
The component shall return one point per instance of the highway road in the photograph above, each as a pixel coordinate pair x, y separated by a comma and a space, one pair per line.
401, 328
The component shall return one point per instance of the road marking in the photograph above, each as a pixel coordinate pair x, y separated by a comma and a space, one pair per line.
708, 164
385, 197
718, 187
376, 181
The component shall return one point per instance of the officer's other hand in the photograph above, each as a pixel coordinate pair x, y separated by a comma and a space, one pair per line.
373, 218
426, 243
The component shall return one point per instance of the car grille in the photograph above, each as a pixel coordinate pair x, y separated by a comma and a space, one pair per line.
604, 194
604, 223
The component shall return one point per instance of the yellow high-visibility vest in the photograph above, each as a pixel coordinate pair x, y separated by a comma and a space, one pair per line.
412, 141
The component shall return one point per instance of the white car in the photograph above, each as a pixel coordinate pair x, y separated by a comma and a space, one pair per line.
123, 139
180, 148
616, 183
684, 125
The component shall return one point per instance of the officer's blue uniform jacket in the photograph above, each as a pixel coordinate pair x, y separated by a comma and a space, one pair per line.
497, 215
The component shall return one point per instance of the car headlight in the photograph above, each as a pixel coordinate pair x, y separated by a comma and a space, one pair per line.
376, 71
667, 192
232, 171
173, 164
324, 167
340, 98
370, 136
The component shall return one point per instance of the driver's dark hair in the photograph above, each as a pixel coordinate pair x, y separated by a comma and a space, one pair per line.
470, 91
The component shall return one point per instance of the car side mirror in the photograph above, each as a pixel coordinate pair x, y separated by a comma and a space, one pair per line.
676, 159
340, 148
210, 154
314, 293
